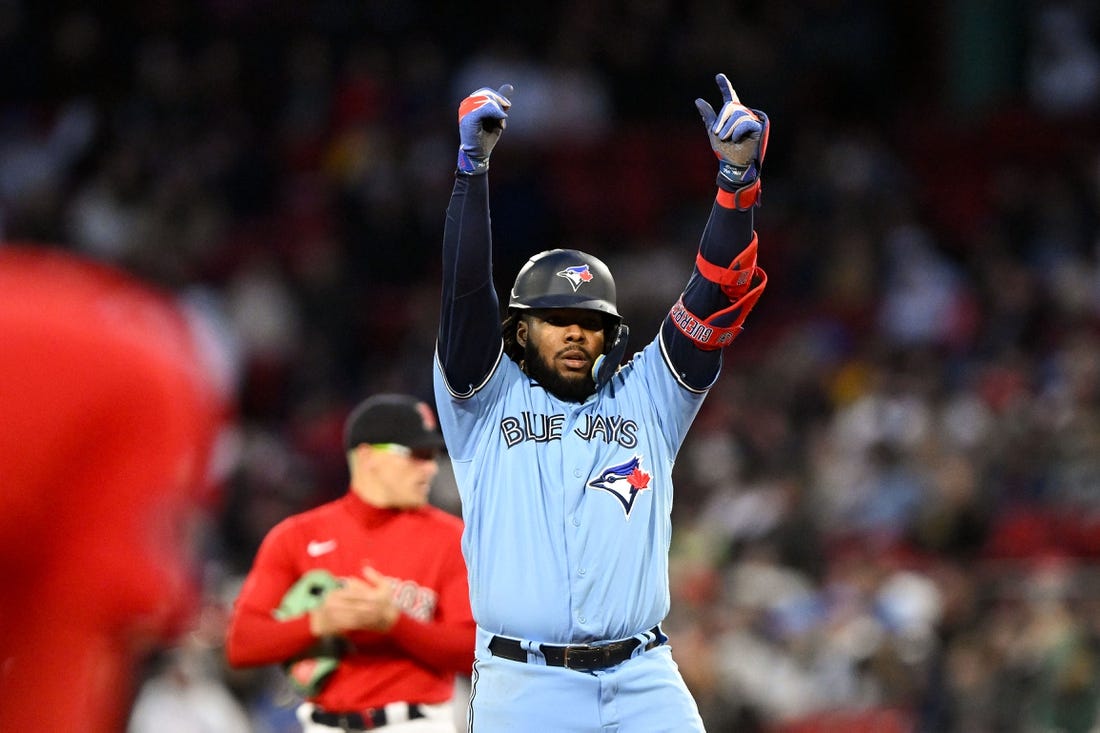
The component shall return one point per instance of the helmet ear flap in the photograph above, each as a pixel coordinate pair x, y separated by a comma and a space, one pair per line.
607, 364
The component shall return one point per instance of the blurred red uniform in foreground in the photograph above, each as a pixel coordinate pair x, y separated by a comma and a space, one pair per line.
108, 415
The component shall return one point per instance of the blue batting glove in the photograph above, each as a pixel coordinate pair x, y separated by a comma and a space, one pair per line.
482, 117
738, 137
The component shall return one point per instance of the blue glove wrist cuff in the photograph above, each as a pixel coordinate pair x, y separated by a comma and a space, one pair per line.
732, 177
471, 166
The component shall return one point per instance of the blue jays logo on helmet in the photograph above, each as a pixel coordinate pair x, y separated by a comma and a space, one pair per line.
623, 481
577, 275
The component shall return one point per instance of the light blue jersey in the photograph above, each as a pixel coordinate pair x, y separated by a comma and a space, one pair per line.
567, 506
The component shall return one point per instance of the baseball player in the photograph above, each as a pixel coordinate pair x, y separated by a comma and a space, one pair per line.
364, 600
113, 398
564, 459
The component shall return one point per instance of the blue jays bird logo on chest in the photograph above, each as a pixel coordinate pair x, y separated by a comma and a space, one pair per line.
577, 275
623, 481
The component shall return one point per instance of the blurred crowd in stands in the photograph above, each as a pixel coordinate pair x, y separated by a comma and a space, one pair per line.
888, 511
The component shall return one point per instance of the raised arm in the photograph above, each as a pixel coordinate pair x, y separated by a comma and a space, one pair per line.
469, 343
726, 281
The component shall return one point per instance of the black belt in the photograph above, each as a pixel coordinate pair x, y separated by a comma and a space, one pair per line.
585, 657
361, 720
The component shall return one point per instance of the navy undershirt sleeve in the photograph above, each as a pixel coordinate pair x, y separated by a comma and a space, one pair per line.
469, 341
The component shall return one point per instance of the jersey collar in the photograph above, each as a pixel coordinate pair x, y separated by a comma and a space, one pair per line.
368, 515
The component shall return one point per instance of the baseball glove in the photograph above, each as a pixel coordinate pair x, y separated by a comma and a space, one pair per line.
309, 672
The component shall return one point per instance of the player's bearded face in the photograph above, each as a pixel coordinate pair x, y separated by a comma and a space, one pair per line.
560, 348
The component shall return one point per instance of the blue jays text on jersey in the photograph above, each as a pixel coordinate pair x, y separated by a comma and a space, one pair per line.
544, 428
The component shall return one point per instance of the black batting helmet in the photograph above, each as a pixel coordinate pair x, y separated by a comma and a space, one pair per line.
565, 278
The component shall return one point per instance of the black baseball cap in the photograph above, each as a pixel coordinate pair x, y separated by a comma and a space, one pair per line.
392, 418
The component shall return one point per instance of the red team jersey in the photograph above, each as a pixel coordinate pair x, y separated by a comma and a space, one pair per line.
433, 639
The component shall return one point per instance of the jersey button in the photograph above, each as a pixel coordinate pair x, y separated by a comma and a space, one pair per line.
576, 522
582, 571
577, 472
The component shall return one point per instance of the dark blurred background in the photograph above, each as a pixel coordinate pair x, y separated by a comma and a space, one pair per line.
888, 511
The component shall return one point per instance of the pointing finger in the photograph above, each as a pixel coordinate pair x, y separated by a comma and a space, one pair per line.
728, 94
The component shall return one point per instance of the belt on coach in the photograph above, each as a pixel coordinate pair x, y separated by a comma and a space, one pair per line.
366, 719
583, 657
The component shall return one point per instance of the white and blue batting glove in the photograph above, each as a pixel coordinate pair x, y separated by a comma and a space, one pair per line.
482, 117
738, 137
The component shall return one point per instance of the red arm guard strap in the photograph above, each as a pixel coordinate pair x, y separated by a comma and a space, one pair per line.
742, 199
742, 282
